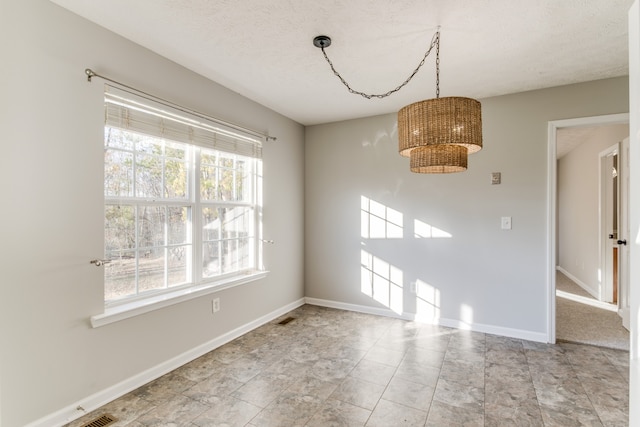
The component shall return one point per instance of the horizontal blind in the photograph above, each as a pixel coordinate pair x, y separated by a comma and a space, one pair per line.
125, 110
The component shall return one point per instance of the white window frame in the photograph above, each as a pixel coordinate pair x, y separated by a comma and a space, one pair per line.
122, 109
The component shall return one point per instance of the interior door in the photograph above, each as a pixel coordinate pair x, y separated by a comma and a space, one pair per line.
609, 198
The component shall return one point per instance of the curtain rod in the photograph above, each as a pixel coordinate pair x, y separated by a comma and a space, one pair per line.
90, 73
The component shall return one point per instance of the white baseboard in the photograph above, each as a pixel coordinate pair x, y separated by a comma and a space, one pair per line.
93, 402
451, 323
579, 282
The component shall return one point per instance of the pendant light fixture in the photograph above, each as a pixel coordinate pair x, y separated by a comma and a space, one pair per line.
436, 134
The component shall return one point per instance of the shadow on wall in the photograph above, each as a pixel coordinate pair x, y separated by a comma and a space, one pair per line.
386, 283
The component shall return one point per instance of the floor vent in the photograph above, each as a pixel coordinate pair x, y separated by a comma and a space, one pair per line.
285, 321
102, 421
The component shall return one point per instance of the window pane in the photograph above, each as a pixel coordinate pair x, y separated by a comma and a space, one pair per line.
148, 176
177, 265
210, 224
229, 256
236, 255
242, 179
177, 225
175, 179
151, 269
211, 259
151, 226
148, 144
175, 150
119, 275
119, 228
208, 186
235, 222
227, 184
118, 173
117, 138
208, 175
176, 182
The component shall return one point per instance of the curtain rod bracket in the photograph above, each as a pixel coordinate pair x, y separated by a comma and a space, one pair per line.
89, 72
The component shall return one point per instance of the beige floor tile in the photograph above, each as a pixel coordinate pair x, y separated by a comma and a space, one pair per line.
520, 414
567, 416
177, 411
358, 392
459, 395
227, 411
385, 355
417, 372
335, 413
407, 393
262, 389
441, 414
289, 409
375, 372
164, 388
213, 387
393, 414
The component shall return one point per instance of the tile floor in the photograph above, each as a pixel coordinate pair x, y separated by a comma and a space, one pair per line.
339, 368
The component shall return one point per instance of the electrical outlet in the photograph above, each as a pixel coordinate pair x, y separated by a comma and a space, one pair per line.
215, 305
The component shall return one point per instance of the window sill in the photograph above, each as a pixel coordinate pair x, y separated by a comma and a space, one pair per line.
135, 308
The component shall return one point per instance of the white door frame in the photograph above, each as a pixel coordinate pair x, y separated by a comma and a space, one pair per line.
552, 182
605, 223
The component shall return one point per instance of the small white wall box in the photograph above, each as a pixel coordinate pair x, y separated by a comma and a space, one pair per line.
506, 223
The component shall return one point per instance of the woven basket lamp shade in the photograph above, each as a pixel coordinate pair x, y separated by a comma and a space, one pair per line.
442, 158
450, 120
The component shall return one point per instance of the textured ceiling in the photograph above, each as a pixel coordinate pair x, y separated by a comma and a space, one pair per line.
263, 49
568, 139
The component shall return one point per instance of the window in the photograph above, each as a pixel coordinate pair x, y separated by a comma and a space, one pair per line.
181, 200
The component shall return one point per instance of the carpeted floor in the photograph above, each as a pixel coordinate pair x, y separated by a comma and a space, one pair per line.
580, 318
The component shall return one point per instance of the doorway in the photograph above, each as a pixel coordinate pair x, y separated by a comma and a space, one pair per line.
587, 266
609, 219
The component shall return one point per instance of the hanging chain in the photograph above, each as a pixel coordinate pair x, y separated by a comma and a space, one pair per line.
435, 41
438, 65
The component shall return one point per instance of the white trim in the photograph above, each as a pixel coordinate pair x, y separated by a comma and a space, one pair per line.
451, 323
138, 307
552, 181
95, 401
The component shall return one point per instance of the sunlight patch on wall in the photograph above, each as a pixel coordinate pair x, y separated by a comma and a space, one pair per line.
379, 221
381, 281
466, 316
422, 230
427, 302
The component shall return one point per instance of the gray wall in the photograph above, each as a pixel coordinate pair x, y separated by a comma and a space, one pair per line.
51, 221
483, 277
578, 206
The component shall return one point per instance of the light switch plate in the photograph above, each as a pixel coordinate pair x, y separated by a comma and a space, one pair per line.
506, 223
